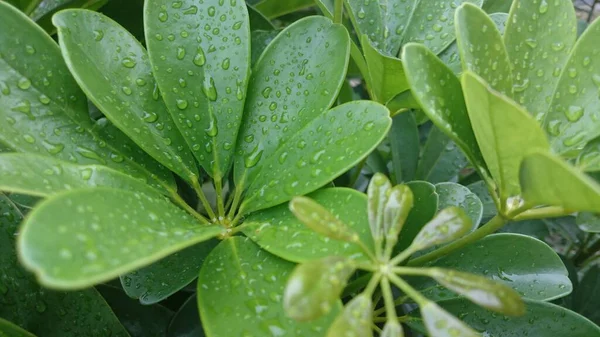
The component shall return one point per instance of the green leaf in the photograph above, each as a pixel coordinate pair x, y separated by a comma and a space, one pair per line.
404, 146
482, 50
440, 95
432, 23
165, 277
497, 6
441, 160
548, 180
523, 263
440, 323
351, 131
249, 285
451, 194
588, 222
377, 194
47, 8
491, 295
186, 322
386, 73
539, 36
541, 319
11, 330
589, 158
276, 8
83, 237
278, 231
41, 311
399, 203
118, 79
260, 40
425, 205
139, 320
392, 329
586, 299
505, 132
355, 320
320, 220
202, 76
257, 20
572, 120
314, 287
45, 176
449, 224
480, 190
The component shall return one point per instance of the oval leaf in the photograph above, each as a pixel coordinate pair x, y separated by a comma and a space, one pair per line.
318, 218
248, 285
449, 224
451, 194
202, 73
314, 287
83, 237
440, 323
397, 208
441, 159
386, 73
355, 320
425, 206
113, 69
377, 195
11, 330
278, 231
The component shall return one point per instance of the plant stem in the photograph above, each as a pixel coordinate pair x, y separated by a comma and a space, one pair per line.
493, 225
236, 199
405, 254
408, 290
411, 271
388, 299
366, 250
219, 191
544, 212
179, 201
338, 11
372, 284
203, 199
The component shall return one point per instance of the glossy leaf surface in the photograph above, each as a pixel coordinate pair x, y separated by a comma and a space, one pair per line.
425, 206
41, 311
589, 158
320, 220
449, 224
278, 231
276, 8
377, 194
588, 222
112, 67
165, 277
451, 194
9, 329
247, 288
404, 145
314, 287
440, 323
202, 73
68, 251
355, 320
386, 72
441, 160
548, 180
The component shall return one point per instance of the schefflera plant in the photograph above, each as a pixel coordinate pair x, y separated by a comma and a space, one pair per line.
192, 106
315, 286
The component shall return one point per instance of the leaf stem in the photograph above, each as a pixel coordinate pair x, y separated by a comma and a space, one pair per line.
388, 299
179, 201
219, 190
338, 11
372, 284
366, 250
544, 212
203, 199
408, 290
236, 199
493, 225
411, 271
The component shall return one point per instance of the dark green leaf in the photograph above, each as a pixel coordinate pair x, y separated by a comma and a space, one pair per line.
587, 295
139, 320
314, 287
257, 20
497, 6
320, 220
41, 311
277, 8
260, 40
386, 73
202, 77
425, 205
161, 279
355, 320
278, 231
186, 322
441, 159
449, 224
392, 329
399, 203
240, 280
539, 36
480, 190
118, 79
44, 176
404, 146
80, 238
9, 329
451, 194
548, 180
589, 222
47, 8
589, 158
440, 323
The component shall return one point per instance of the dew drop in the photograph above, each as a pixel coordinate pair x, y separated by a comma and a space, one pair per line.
98, 35
128, 62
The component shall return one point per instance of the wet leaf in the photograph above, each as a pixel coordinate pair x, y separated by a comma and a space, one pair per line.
497, 6
589, 158
9, 329
314, 287
139, 320
319, 219
386, 73
112, 67
355, 320
449, 224
248, 286
572, 119
392, 329
482, 50
83, 237
349, 132
489, 208
202, 76
440, 95
397, 208
41, 311
451, 194
539, 36
186, 322
492, 295
377, 193
165, 277
425, 205
541, 319
404, 146
276, 8
278, 231
441, 160
257, 20
440, 323
44, 109
587, 295
523, 263
45, 176
260, 40
42, 15
548, 180
588, 222
505, 132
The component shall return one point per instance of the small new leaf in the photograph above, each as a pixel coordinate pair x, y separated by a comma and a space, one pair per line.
377, 196
482, 291
314, 287
440, 323
397, 208
449, 224
355, 320
320, 220
392, 329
